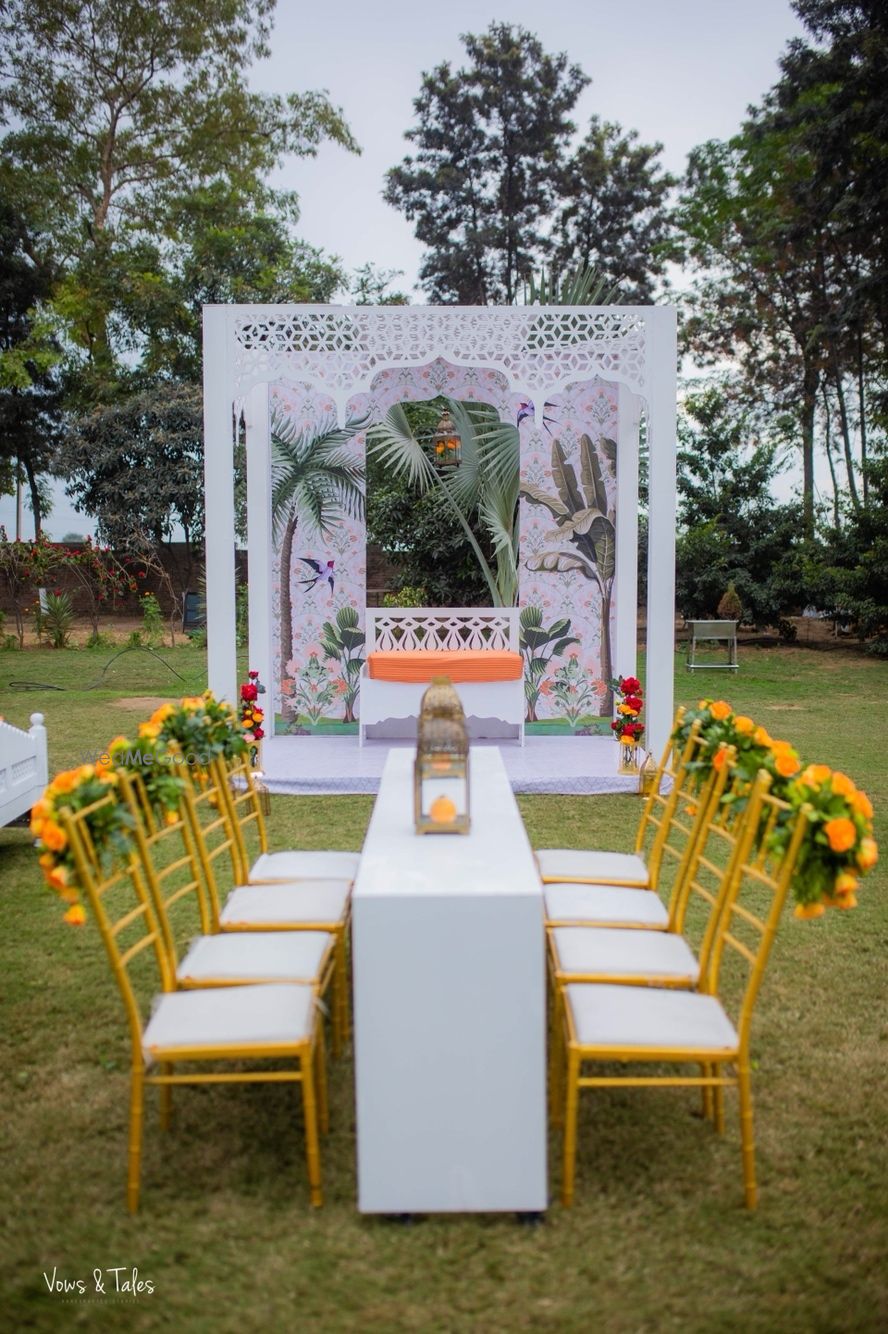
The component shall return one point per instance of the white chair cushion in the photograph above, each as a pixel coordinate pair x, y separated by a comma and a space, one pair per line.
229, 1017
605, 951
256, 956
611, 1016
298, 865
308, 901
592, 867
606, 904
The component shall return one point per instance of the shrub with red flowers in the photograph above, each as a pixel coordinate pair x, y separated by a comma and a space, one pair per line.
627, 727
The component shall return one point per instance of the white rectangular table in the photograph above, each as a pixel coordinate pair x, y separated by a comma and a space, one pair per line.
449, 988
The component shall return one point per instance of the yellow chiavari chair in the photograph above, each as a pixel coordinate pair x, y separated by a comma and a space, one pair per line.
678, 820
607, 1023
304, 905
269, 1023
234, 780
633, 870
171, 866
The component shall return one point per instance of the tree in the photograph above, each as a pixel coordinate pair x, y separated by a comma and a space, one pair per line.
30, 413
137, 466
490, 142
370, 287
315, 479
731, 529
613, 212
125, 114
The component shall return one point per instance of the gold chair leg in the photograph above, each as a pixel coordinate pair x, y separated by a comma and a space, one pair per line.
718, 1094
310, 1113
340, 1025
166, 1099
557, 1059
321, 1077
706, 1092
570, 1128
747, 1137
134, 1156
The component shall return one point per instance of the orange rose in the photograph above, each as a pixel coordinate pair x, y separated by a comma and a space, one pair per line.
41, 809
842, 785
171, 817
75, 916
847, 901
761, 737
846, 883
815, 774
745, 726
46, 860
807, 911
720, 710
36, 827
841, 834
862, 805
786, 762
149, 731
719, 759
868, 854
64, 782
54, 837
58, 878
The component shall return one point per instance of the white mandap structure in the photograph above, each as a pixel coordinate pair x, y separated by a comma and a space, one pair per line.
580, 383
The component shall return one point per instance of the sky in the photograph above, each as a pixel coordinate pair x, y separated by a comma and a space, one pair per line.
677, 71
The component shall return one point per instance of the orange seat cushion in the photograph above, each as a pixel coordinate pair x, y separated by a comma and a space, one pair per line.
459, 664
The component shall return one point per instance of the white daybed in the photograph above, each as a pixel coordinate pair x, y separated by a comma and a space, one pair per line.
24, 770
443, 641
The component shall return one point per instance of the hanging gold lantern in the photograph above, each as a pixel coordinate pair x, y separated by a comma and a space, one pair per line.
446, 444
441, 769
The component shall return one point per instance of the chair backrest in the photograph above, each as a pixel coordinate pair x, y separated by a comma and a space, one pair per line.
170, 863
669, 819
233, 780
209, 821
770, 839
708, 872
121, 903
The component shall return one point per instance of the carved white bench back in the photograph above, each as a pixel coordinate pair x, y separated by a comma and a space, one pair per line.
391, 629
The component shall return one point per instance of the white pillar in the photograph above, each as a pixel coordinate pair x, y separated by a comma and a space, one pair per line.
219, 501
259, 545
37, 734
626, 581
662, 385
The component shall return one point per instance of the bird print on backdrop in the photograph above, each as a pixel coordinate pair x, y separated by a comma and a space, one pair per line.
526, 411
322, 570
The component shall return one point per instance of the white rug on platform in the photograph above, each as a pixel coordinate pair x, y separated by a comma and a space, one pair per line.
575, 766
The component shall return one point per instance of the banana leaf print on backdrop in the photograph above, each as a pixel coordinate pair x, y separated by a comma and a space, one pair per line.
567, 555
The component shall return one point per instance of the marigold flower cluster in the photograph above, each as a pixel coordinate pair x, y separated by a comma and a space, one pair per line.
191, 732
840, 847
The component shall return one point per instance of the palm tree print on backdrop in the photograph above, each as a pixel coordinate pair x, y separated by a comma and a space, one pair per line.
585, 531
315, 482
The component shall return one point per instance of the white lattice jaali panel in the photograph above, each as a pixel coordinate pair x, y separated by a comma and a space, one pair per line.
536, 348
406, 629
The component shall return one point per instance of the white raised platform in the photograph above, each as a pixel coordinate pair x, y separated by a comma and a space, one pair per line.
576, 766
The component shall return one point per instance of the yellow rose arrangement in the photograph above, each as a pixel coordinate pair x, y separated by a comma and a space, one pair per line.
73, 790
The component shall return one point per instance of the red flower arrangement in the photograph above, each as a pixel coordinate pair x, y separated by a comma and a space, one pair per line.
251, 715
626, 726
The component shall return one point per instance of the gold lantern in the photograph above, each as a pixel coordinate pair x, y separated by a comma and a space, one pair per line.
446, 444
647, 778
441, 769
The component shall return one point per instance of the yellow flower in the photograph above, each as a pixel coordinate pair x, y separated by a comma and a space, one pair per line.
64, 782
159, 716
862, 805
149, 731
807, 911
841, 834
745, 726
46, 860
846, 901
75, 916
172, 817
35, 827
868, 854
842, 785
761, 737
119, 743
57, 878
720, 710
627, 740
41, 809
814, 775
846, 883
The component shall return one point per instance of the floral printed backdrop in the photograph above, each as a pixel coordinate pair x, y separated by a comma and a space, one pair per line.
567, 462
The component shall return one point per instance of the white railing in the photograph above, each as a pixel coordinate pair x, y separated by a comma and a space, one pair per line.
391, 629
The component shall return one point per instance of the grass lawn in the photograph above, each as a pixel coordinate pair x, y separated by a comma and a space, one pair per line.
658, 1238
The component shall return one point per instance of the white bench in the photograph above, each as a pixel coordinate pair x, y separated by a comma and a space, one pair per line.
24, 771
701, 632
442, 629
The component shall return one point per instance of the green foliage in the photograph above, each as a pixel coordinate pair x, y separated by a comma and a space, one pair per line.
242, 615
730, 608
539, 644
152, 619
851, 582
344, 642
56, 619
408, 595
